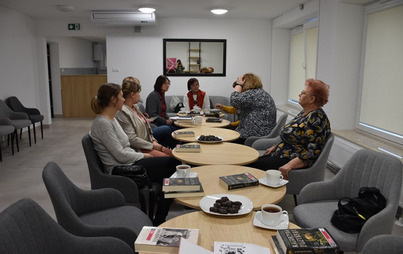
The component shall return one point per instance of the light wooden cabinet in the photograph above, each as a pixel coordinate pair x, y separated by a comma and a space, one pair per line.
77, 92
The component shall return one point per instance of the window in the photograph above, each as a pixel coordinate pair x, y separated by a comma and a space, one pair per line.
382, 72
303, 51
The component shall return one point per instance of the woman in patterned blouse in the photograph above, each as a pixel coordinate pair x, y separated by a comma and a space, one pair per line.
303, 138
257, 110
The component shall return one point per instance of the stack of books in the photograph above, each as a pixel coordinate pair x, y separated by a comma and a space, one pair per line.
182, 187
304, 240
163, 239
238, 181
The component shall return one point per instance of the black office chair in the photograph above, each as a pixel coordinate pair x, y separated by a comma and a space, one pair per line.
7, 128
33, 113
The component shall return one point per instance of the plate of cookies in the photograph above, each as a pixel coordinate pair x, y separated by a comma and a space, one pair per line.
226, 204
209, 139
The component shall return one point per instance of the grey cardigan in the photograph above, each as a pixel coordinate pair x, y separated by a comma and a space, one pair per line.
154, 107
112, 143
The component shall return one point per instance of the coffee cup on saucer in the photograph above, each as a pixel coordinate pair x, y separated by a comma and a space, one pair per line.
273, 177
183, 170
272, 214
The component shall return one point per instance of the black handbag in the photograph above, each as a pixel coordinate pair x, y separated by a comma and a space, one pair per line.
135, 172
352, 213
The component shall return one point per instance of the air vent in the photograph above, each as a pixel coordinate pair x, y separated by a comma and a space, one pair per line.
122, 18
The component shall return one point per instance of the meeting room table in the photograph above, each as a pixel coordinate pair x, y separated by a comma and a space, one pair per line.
220, 153
209, 178
225, 134
224, 229
189, 124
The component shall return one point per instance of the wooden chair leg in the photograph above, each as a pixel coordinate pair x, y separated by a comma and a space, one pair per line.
33, 127
16, 140
29, 135
295, 199
41, 129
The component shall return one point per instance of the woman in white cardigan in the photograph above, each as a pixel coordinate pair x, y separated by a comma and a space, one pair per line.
137, 126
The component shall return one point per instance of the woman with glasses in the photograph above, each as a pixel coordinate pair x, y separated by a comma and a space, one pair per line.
303, 138
156, 105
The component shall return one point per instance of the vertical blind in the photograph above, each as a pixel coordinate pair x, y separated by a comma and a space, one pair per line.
382, 87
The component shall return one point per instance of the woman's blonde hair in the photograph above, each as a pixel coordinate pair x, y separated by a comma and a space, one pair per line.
130, 85
251, 82
104, 96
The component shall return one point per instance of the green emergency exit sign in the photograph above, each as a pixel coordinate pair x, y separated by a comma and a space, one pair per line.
75, 26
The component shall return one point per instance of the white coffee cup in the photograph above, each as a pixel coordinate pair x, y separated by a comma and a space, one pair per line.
197, 120
183, 170
272, 214
273, 176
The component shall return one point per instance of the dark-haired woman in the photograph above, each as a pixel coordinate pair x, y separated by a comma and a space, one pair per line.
113, 146
195, 96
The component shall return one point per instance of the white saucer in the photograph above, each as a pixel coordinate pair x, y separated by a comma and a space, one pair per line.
191, 175
264, 182
257, 221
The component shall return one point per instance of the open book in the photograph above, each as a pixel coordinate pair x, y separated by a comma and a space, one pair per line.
187, 247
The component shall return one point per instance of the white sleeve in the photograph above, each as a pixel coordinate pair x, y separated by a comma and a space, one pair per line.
186, 102
206, 102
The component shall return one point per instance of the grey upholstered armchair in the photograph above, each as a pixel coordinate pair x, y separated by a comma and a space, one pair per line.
33, 113
100, 212
390, 244
317, 201
25, 228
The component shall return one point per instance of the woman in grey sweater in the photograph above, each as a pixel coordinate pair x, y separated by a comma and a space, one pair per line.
113, 146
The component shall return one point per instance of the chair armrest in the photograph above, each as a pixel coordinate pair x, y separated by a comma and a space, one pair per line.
318, 191
95, 200
263, 144
123, 184
32, 111
249, 141
18, 115
5, 121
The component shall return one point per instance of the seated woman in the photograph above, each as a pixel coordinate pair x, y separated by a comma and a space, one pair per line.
195, 96
230, 110
257, 110
303, 138
136, 126
113, 147
155, 103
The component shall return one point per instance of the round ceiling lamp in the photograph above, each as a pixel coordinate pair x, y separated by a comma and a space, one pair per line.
219, 11
64, 8
146, 10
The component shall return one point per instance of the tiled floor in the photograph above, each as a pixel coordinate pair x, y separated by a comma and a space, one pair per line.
21, 174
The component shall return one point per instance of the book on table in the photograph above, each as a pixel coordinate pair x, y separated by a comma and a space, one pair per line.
163, 239
239, 181
187, 247
181, 184
182, 119
184, 133
184, 194
188, 148
304, 240
213, 120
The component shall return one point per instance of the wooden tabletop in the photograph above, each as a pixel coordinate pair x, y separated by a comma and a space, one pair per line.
224, 229
208, 176
223, 123
221, 153
225, 134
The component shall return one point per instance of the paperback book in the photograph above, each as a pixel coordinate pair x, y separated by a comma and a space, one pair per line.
239, 181
184, 133
187, 247
166, 240
184, 194
181, 184
188, 148
213, 120
305, 240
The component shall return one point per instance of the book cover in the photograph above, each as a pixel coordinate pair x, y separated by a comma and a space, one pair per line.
276, 245
188, 148
184, 194
187, 247
306, 240
213, 120
181, 184
184, 133
163, 239
239, 181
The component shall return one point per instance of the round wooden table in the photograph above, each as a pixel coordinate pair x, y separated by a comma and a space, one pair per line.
224, 229
209, 178
221, 153
223, 123
226, 134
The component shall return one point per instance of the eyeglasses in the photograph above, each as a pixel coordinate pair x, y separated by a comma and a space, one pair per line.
303, 92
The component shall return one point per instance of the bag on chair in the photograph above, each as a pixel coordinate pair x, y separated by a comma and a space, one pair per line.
354, 212
135, 172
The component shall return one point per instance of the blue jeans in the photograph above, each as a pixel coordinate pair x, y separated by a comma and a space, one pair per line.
163, 135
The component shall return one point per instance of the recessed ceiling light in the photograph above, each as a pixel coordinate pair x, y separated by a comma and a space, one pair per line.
147, 10
219, 11
64, 8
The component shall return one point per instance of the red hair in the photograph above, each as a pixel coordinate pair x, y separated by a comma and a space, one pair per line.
319, 89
